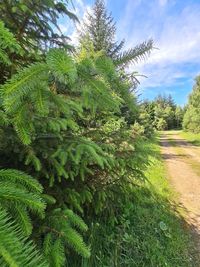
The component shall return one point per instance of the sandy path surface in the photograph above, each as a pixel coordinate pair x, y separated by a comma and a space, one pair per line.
185, 180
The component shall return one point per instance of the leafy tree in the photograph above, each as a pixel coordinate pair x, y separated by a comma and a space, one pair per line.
170, 117
100, 29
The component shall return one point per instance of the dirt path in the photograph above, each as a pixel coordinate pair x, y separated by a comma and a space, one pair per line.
183, 164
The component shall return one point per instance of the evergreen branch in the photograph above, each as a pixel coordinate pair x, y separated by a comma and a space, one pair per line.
16, 176
62, 66
75, 220
21, 217
32, 201
16, 251
23, 82
133, 55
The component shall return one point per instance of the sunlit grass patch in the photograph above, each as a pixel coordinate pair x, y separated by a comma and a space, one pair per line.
191, 137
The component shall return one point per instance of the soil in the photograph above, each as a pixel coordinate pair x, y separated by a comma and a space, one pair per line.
178, 155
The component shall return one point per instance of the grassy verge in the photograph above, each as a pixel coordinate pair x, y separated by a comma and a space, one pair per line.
148, 231
191, 137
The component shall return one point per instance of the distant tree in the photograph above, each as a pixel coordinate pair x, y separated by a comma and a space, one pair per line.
170, 102
163, 112
146, 119
165, 100
101, 30
191, 120
179, 113
161, 124
169, 115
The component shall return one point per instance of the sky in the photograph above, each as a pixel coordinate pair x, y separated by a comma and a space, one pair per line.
174, 27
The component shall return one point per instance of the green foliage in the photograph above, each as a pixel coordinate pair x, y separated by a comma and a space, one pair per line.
20, 193
31, 29
133, 55
34, 25
15, 250
191, 120
19, 177
95, 91
8, 44
59, 234
62, 66
179, 114
161, 124
65, 125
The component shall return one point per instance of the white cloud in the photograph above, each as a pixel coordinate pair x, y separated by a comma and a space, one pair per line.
179, 40
177, 35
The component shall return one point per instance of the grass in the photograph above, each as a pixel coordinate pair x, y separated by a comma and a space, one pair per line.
149, 232
191, 137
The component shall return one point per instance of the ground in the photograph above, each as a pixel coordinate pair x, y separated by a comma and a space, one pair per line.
183, 165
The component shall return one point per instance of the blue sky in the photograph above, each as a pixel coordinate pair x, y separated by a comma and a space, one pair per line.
174, 27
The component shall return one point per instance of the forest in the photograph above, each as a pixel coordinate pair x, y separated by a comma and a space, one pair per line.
77, 145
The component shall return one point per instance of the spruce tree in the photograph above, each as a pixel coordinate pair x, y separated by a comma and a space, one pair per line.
66, 121
24, 214
100, 28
